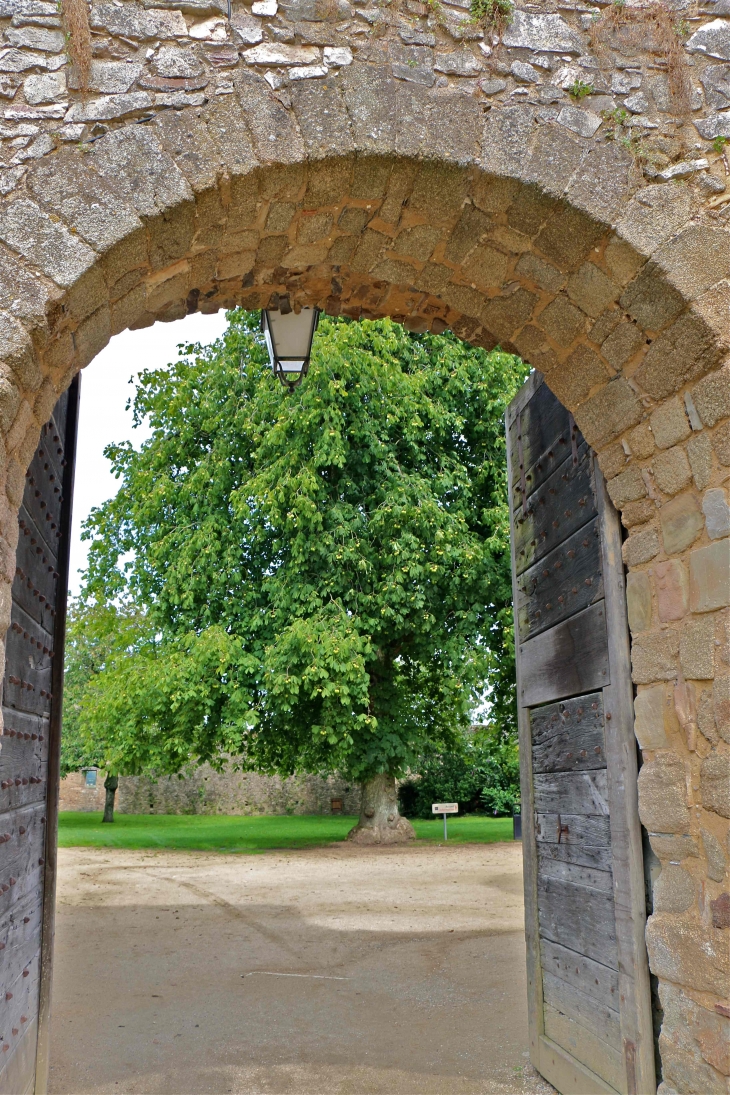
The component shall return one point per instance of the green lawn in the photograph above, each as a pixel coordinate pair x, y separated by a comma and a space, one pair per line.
250, 834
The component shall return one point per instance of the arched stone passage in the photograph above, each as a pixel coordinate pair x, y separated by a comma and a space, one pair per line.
368, 193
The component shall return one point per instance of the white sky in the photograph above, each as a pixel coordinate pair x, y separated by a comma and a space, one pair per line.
105, 390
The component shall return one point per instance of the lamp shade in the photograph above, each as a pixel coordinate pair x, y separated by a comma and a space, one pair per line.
289, 337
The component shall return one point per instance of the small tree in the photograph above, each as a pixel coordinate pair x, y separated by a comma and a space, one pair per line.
96, 634
321, 579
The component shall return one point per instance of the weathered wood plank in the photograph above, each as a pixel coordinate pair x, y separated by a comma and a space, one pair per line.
568, 660
529, 848
543, 428
591, 831
566, 581
563, 504
583, 1009
628, 865
572, 793
21, 855
596, 858
16, 1077
582, 973
586, 1046
575, 873
565, 1073
569, 736
579, 918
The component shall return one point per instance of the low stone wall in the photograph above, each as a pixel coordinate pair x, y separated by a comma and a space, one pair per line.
204, 791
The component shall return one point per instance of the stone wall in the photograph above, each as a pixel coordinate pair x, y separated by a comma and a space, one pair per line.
204, 791
554, 188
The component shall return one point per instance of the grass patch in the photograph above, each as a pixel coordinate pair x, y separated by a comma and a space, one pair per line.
214, 833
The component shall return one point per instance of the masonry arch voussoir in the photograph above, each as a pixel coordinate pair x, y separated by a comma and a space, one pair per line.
368, 195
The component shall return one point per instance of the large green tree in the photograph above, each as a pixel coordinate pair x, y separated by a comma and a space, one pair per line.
320, 580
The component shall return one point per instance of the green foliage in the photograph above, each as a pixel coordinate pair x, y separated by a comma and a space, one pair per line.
316, 581
483, 776
95, 633
496, 14
579, 89
718, 144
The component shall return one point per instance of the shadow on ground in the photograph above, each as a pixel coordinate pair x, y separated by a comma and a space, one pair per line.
173, 976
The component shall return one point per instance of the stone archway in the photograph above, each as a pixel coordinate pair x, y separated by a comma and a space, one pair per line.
410, 162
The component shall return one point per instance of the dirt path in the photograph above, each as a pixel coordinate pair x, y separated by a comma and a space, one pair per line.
335, 971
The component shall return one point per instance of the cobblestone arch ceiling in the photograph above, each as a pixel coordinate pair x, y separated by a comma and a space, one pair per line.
558, 188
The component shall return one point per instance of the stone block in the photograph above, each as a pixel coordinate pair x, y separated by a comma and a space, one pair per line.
650, 300
699, 452
721, 705
504, 316
609, 413
44, 242
680, 354
369, 92
709, 577
697, 648
486, 266
654, 214
438, 193
568, 236
637, 513
641, 440
706, 716
663, 794
681, 521
506, 142
654, 656
554, 157
638, 599
716, 861
683, 951
650, 723
711, 396
640, 547
672, 847
669, 423
674, 891
323, 120
574, 380
621, 345
542, 273
672, 471
717, 513
715, 784
685, 1070
721, 443
533, 346
628, 486
672, 589
469, 230
696, 258
591, 289
612, 460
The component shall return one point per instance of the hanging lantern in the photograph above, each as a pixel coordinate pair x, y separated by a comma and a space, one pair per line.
289, 335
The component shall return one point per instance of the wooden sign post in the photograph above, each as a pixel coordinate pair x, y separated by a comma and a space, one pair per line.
445, 808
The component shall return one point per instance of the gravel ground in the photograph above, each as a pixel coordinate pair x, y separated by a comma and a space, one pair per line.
329, 971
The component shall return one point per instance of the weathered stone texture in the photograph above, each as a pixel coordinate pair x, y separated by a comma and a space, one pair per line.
399, 162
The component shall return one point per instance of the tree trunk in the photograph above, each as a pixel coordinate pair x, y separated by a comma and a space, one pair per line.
110, 786
380, 822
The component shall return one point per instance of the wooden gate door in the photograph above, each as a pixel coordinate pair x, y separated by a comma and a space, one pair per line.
588, 979
30, 754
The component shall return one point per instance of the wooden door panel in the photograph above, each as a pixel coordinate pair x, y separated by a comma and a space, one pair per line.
598, 857
589, 977
564, 582
589, 1002
585, 1045
568, 660
545, 430
579, 918
562, 505
569, 736
29, 758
